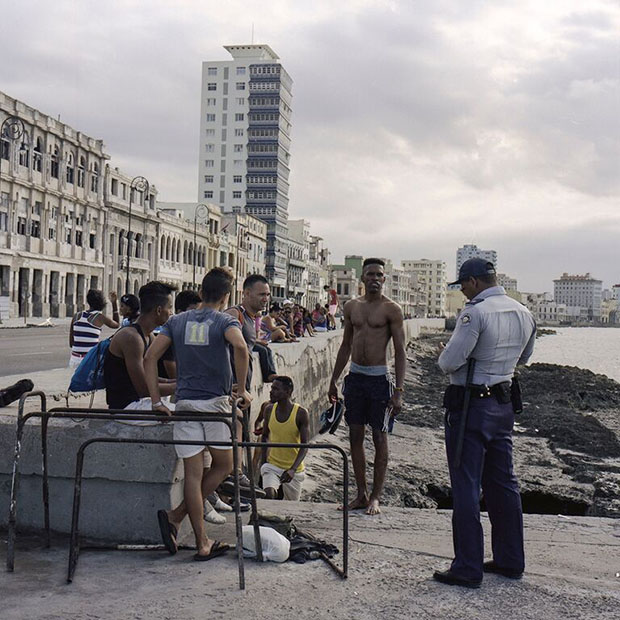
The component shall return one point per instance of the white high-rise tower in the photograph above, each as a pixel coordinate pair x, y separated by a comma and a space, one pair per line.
244, 148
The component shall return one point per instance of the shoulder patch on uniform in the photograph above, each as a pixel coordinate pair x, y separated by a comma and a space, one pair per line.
466, 318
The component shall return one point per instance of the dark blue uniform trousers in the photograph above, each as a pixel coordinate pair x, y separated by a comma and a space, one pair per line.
486, 462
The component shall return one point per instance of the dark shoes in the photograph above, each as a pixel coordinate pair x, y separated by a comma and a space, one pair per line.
492, 567
449, 578
228, 487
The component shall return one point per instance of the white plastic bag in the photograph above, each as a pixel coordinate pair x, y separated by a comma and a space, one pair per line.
276, 547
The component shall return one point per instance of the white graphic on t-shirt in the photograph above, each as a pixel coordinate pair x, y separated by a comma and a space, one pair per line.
197, 333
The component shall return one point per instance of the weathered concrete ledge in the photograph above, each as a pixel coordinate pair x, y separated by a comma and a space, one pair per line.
125, 484
570, 574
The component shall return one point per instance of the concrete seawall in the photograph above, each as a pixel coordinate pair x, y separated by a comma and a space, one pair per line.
125, 484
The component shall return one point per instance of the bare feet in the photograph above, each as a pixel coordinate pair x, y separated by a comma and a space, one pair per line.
361, 501
373, 507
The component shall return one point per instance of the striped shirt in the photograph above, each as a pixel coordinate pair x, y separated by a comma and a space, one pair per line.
85, 334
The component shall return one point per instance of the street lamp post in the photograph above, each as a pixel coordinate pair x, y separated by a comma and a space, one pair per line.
139, 184
201, 212
12, 129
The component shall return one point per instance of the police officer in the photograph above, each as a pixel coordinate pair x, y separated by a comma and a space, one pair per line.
499, 333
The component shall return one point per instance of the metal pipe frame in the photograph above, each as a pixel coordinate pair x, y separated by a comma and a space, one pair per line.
128, 415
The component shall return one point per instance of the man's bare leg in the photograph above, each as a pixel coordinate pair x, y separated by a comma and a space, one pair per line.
356, 440
381, 460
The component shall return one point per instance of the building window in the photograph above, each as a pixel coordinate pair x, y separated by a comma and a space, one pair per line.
209, 163
240, 70
114, 187
21, 225
238, 148
35, 229
240, 100
78, 238
240, 86
208, 178
54, 163
211, 86
212, 71
81, 172
237, 162
91, 241
239, 132
208, 194
239, 116
237, 178
210, 118
51, 234
37, 156
237, 195
94, 178
210, 132
211, 101
70, 168
209, 148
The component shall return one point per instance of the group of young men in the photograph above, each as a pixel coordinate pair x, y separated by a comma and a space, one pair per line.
213, 347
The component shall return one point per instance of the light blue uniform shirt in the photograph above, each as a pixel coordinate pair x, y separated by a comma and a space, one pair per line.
494, 329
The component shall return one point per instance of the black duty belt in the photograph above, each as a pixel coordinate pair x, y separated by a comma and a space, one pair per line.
486, 391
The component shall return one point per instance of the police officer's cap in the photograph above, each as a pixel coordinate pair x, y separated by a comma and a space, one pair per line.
474, 268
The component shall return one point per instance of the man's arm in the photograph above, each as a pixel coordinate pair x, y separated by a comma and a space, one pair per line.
234, 337
303, 424
529, 347
344, 352
400, 357
154, 388
265, 436
462, 342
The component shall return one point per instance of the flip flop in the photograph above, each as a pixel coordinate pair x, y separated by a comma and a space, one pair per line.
217, 549
168, 532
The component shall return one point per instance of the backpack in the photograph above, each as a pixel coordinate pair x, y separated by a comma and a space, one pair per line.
88, 376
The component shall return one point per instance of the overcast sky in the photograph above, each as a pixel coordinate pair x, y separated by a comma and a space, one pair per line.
418, 126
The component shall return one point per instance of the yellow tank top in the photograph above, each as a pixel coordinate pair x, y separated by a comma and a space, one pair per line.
284, 432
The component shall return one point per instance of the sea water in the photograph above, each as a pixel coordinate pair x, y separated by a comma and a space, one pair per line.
594, 348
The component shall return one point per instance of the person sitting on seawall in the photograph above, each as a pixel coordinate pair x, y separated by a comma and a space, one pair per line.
123, 366
130, 309
86, 326
319, 319
307, 321
284, 422
285, 321
269, 330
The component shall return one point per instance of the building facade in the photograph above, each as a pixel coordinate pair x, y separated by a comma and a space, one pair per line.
52, 214
244, 148
579, 291
473, 251
431, 276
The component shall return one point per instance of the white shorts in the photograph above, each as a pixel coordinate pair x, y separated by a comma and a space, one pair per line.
144, 404
75, 360
332, 309
201, 431
271, 479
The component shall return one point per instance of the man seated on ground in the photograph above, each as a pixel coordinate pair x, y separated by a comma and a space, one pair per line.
123, 366
201, 340
284, 422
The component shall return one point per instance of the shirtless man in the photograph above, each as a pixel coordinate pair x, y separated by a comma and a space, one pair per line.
370, 397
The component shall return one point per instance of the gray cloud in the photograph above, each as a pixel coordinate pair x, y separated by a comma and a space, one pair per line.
417, 126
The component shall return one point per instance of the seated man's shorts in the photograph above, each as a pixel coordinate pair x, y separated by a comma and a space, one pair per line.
271, 480
201, 431
367, 400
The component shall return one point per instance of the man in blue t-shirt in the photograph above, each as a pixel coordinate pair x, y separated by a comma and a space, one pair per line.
201, 340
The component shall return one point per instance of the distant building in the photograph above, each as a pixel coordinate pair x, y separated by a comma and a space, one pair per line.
345, 281
473, 251
576, 291
510, 284
244, 147
398, 287
431, 276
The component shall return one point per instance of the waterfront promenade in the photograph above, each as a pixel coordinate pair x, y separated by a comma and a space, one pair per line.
571, 574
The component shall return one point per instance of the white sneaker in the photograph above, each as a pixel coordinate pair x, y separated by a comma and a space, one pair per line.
211, 515
222, 506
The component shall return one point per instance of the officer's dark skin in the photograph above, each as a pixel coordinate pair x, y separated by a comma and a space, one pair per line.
470, 288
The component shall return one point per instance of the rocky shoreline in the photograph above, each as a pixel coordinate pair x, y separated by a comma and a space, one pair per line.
567, 441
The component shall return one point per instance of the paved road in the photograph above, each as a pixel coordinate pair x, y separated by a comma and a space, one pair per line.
31, 349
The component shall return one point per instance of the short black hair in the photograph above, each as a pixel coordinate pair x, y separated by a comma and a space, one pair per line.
326, 288
275, 307
95, 299
216, 284
185, 299
285, 381
133, 303
373, 261
251, 280
154, 294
